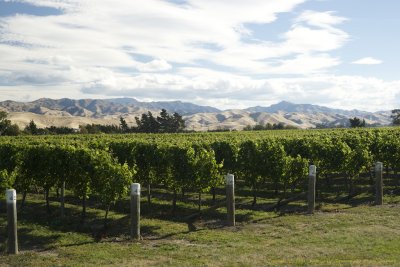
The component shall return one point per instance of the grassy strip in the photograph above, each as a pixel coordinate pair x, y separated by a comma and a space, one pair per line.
340, 234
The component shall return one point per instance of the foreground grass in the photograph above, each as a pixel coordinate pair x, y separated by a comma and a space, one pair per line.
337, 235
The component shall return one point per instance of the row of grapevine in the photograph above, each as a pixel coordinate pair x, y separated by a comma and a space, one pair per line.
85, 171
103, 166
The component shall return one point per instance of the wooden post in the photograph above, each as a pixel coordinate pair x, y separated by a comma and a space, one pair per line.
62, 200
230, 199
379, 183
135, 211
312, 177
12, 244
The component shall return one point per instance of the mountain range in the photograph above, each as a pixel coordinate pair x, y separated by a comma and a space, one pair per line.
101, 107
72, 113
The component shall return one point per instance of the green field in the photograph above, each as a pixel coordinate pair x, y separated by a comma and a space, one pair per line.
345, 233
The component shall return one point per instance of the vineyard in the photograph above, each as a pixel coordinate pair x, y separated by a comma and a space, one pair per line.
105, 165
100, 168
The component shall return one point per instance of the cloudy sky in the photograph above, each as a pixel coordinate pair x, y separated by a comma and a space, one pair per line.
223, 53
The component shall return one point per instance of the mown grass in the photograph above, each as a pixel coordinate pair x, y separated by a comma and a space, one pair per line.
346, 233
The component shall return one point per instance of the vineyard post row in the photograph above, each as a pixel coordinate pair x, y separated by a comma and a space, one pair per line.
11, 199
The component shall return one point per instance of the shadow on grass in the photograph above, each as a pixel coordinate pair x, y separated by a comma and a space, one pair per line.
118, 224
34, 214
30, 241
119, 230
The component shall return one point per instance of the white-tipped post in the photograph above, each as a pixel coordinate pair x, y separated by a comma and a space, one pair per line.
12, 244
135, 211
312, 178
379, 183
230, 199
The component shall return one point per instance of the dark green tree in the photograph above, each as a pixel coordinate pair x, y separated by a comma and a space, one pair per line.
179, 123
31, 128
248, 128
356, 122
164, 123
147, 123
123, 125
395, 116
4, 123
6, 128
258, 127
279, 126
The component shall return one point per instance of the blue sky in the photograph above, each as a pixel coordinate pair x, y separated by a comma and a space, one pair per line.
224, 53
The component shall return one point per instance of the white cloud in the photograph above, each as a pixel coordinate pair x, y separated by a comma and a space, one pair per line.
347, 92
107, 33
368, 61
225, 90
198, 51
320, 19
154, 66
221, 89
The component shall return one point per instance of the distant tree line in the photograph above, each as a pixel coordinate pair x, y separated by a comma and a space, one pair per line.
269, 126
147, 123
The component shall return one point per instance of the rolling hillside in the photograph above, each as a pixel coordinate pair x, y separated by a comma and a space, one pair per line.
72, 113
